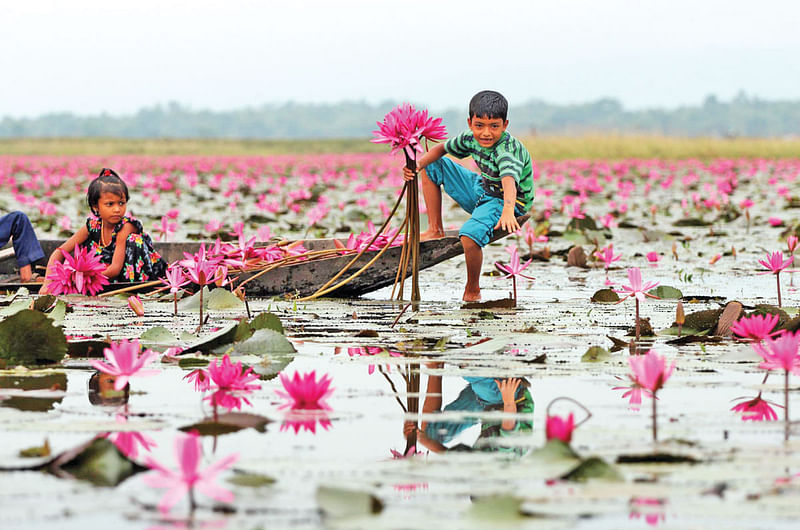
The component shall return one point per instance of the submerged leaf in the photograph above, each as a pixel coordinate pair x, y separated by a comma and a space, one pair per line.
605, 296
228, 423
339, 502
666, 292
30, 338
595, 354
593, 468
222, 299
251, 480
157, 335
98, 462
496, 508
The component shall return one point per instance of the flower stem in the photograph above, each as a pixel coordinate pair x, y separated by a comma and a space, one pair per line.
655, 424
201, 308
175, 302
778, 279
637, 321
786, 405
514, 284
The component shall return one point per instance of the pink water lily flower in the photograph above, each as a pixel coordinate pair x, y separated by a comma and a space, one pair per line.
125, 360
756, 409
128, 442
636, 287
756, 327
560, 428
792, 242
404, 126
780, 353
650, 371
80, 273
774, 263
305, 392
188, 476
230, 381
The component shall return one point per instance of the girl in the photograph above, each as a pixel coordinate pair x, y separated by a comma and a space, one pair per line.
118, 238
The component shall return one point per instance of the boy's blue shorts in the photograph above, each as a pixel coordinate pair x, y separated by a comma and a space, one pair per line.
465, 188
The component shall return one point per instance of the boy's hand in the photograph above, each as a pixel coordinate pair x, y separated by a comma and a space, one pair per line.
508, 221
408, 174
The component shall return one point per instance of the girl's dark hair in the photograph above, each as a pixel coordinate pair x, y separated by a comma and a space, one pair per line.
488, 104
107, 181
96, 397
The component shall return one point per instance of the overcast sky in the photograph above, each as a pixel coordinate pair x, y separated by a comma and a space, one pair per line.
89, 56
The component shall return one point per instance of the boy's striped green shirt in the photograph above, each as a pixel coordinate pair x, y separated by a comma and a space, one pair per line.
507, 158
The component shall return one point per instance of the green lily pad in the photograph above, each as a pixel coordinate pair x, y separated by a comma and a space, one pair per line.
222, 337
58, 312
666, 292
264, 342
593, 468
44, 302
345, 503
192, 362
496, 508
192, 303
595, 354
30, 338
251, 480
223, 299
227, 423
691, 221
19, 304
98, 462
157, 335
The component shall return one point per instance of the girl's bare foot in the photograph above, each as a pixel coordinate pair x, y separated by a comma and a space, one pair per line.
472, 296
431, 234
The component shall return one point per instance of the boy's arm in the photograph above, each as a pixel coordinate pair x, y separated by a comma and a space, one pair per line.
436, 152
508, 221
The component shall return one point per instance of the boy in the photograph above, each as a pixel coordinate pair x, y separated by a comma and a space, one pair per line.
17, 227
495, 197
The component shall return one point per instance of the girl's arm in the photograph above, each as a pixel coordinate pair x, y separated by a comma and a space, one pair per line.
113, 270
58, 254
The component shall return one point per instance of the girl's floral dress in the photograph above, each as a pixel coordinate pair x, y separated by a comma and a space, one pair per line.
142, 262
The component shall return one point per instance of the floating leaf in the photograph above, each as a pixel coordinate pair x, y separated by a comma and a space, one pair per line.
16, 306
44, 302
58, 312
666, 292
98, 462
52, 388
227, 423
605, 296
157, 335
264, 342
496, 508
22, 292
192, 303
86, 348
691, 221
222, 299
192, 362
596, 354
267, 320
251, 480
30, 338
340, 503
593, 468
219, 338
37, 451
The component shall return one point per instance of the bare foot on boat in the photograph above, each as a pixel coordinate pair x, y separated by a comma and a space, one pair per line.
472, 296
431, 234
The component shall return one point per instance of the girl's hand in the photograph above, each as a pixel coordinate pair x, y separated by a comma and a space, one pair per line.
408, 174
508, 389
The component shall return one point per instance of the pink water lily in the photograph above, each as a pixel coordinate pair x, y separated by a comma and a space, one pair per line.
305, 392
80, 273
638, 290
404, 126
231, 383
514, 268
650, 372
756, 409
781, 353
560, 428
128, 442
774, 264
188, 477
607, 256
756, 327
125, 360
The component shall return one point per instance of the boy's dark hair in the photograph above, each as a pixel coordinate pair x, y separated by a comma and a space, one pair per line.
107, 181
488, 104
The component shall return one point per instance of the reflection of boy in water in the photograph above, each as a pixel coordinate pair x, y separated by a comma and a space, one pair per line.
101, 390
481, 394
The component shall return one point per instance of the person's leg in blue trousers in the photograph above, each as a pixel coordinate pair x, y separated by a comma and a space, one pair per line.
17, 227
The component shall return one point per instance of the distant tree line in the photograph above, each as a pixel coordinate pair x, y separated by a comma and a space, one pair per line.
742, 116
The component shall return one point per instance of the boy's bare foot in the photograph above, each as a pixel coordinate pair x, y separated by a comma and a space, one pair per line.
472, 296
431, 234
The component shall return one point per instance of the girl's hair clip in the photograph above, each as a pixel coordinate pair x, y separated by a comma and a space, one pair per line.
106, 172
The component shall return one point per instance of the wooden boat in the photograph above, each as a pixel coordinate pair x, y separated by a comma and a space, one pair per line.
297, 279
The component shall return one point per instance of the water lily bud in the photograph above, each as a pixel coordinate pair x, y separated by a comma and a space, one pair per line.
135, 303
680, 318
714, 259
733, 252
675, 250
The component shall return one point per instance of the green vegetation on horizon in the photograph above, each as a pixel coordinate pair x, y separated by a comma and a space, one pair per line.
610, 147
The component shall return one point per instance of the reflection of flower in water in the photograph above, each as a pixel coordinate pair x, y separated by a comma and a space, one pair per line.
188, 476
305, 421
756, 409
231, 381
651, 508
397, 455
191, 523
372, 350
414, 486
128, 442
